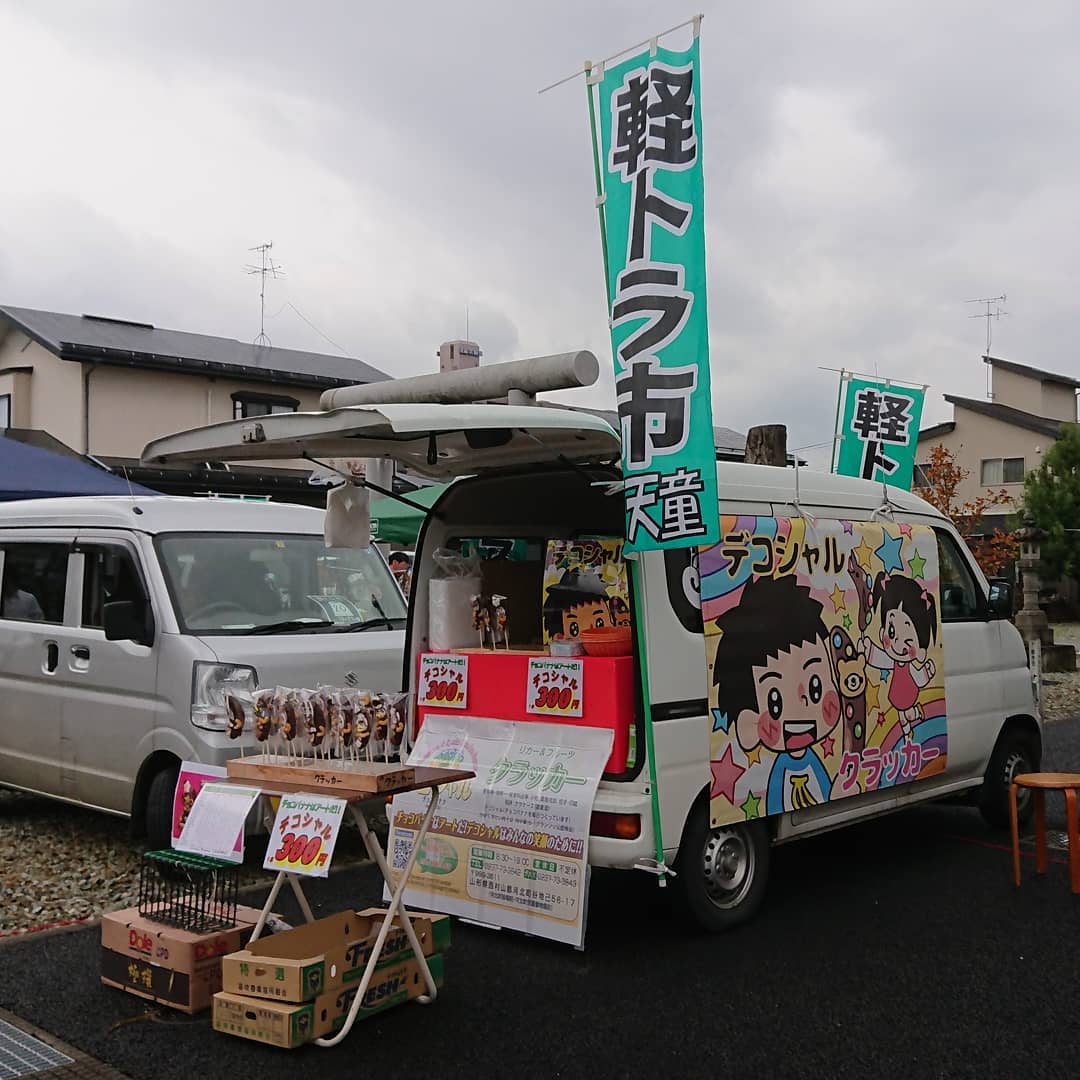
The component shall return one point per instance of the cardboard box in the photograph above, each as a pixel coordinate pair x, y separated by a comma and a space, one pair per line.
173, 967
287, 1024
316, 958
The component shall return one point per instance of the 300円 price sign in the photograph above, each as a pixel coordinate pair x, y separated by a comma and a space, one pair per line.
556, 687
304, 834
444, 681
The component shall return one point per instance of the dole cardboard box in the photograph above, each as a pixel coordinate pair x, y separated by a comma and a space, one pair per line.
300, 964
174, 967
290, 1024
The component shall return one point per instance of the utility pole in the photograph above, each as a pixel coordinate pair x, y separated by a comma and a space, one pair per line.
266, 266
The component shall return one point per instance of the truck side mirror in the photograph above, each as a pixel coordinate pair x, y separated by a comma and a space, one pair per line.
129, 620
1000, 601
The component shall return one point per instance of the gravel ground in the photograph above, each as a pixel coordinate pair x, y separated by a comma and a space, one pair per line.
59, 863
1061, 691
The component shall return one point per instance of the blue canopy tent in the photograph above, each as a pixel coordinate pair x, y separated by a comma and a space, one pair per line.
28, 472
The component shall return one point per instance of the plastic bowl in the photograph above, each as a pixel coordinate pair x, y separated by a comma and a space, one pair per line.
607, 641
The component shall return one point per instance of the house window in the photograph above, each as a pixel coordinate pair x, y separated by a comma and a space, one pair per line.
919, 478
247, 403
1008, 470
5, 410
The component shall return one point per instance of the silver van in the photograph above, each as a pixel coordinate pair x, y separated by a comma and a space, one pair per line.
123, 621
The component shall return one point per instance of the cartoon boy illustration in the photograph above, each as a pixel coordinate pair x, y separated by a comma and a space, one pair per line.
775, 679
578, 601
908, 625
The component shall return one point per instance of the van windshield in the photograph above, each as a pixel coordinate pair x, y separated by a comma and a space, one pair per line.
252, 583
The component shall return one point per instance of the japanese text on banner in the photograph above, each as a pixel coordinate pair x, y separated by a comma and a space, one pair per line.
879, 431
509, 848
650, 139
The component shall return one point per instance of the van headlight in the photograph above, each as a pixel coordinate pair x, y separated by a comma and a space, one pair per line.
209, 685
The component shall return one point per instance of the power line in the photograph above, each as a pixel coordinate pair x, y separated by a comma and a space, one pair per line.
326, 337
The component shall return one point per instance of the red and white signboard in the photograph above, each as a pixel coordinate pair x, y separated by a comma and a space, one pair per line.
444, 681
556, 686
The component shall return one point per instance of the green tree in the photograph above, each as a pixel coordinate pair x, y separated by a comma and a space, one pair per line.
1052, 497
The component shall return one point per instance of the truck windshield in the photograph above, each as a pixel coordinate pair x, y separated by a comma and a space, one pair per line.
252, 583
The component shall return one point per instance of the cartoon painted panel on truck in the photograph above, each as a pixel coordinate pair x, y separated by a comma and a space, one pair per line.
826, 674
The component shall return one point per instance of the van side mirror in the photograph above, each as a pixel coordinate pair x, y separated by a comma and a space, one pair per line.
129, 620
1000, 601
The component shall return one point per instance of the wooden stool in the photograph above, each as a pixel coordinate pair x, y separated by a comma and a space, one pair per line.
1039, 784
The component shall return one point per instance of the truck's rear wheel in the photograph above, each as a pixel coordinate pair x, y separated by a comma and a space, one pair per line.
159, 807
1016, 752
722, 873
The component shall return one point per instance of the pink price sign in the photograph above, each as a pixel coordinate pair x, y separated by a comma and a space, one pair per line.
444, 681
556, 687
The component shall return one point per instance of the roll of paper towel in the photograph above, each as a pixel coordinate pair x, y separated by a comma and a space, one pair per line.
450, 612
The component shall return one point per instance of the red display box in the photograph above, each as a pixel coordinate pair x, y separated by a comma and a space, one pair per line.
498, 688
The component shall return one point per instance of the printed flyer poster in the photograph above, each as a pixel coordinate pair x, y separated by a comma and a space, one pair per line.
826, 677
189, 783
509, 848
584, 587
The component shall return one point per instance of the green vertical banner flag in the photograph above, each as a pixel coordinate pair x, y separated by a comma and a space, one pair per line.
649, 120
879, 430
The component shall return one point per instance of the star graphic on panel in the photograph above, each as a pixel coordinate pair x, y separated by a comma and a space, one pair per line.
889, 553
917, 564
905, 529
837, 598
848, 530
828, 745
871, 696
725, 775
884, 673
720, 721
846, 619
751, 806
880, 719
864, 552
753, 757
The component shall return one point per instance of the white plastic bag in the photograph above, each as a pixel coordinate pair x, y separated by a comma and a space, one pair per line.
450, 593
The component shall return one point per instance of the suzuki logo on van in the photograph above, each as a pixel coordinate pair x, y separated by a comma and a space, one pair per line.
351, 678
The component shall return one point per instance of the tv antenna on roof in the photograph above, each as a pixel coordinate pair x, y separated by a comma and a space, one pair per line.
992, 312
266, 266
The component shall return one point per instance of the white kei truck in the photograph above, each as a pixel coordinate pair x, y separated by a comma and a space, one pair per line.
533, 471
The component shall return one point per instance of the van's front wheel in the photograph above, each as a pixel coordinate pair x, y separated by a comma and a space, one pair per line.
159, 807
722, 873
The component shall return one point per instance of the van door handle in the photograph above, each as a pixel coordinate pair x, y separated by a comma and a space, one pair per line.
80, 656
52, 657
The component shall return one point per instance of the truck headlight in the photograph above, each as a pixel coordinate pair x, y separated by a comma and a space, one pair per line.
209, 685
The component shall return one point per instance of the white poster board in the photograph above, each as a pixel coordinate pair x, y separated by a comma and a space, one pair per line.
217, 816
511, 847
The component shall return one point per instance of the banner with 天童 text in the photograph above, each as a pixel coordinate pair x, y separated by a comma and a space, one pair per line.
649, 121
879, 430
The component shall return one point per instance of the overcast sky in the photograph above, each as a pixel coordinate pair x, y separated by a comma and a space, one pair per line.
869, 167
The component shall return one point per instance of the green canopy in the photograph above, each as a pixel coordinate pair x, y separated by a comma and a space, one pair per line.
394, 522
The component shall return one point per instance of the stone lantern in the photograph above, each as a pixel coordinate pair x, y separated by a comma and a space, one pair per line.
1031, 620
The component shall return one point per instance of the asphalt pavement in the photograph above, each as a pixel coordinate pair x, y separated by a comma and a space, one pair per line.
897, 948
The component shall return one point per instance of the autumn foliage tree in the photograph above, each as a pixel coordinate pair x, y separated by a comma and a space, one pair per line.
993, 551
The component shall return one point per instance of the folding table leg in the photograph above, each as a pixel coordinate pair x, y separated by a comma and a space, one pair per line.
396, 908
1014, 822
1074, 839
268, 906
301, 899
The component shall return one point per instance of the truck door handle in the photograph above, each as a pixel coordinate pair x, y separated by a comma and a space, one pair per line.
52, 657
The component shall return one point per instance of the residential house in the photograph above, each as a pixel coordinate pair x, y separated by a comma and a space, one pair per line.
106, 387
999, 440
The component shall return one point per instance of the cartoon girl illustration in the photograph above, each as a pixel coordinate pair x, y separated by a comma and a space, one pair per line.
908, 626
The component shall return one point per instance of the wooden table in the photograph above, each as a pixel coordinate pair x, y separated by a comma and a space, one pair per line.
1039, 784
424, 777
